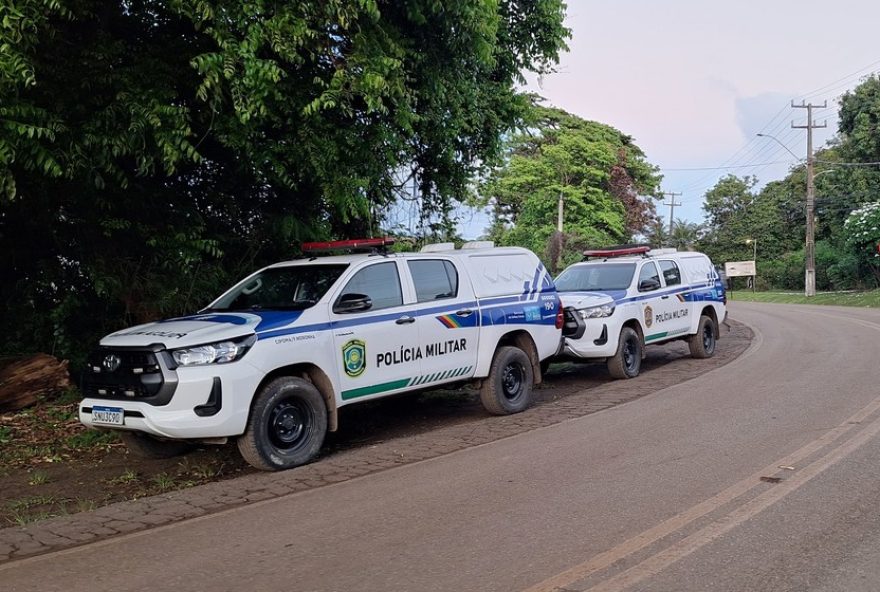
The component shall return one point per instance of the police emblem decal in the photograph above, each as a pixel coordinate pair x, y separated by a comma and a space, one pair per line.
649, 316
354, 357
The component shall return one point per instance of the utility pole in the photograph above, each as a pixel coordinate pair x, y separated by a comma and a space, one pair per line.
672, 195
810, 247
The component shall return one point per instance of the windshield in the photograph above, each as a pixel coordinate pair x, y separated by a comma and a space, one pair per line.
596, 277
296, 287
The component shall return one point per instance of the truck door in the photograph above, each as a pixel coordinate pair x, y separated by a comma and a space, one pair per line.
375, 332
682, 310
449, 325
658, 306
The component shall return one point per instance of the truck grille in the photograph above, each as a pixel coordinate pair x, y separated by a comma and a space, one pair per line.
573, 325
129, 374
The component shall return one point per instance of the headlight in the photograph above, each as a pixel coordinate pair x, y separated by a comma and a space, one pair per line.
221, 352
597, 312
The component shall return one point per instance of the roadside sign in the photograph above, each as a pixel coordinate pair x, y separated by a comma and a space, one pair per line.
739, 268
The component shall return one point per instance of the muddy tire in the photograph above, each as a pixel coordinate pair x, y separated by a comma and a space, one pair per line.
508, 388
702, 343
627, 360
146, 446
286, 427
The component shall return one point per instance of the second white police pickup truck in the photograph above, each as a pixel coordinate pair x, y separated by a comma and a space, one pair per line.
271, 361
622, 299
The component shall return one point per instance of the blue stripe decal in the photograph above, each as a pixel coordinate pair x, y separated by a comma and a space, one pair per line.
513, 299
231, 319
451, 307
535, 280
492, 312
269, 319
275, 319
685, 291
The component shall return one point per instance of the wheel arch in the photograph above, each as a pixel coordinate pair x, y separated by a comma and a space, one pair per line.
636, 326
710, 312
317, 377
523, 340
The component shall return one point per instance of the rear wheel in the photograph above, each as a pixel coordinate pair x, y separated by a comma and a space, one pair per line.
702, 344
286, 427
146, 446
627, 360
508, 388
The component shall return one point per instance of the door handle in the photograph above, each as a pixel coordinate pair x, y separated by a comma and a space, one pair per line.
664, 297
405, 320
466, 312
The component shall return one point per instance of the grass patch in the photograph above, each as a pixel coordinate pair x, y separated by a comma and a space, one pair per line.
202, 471
164, 481
128, 476
868, 299
91, 438
30, 509
38, 478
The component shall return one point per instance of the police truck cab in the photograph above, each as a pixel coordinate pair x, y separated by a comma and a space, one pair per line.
270, 362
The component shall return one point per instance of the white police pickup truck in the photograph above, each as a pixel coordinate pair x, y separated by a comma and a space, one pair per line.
272, 360
621, 299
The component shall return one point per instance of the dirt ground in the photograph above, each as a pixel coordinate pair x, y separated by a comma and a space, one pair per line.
50, 465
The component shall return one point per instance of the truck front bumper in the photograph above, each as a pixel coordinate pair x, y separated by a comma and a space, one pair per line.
210, 401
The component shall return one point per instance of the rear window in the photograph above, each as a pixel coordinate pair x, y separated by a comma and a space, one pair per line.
434, 279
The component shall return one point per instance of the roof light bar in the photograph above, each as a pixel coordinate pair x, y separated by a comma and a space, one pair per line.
348, 245
618, 251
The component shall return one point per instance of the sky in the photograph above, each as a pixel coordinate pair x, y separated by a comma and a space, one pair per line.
694, 81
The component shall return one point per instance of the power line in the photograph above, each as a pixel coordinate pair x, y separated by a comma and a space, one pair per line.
748, 154
724, 168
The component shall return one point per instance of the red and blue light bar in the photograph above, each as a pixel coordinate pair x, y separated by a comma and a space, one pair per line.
348, 245
618, 251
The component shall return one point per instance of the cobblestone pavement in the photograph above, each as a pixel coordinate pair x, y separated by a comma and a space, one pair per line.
563, 397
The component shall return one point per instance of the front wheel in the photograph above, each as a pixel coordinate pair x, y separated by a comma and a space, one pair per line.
508, 388
702, 344
627, 360
286, 427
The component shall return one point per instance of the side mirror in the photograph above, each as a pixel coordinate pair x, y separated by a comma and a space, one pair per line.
649, 285
348, 303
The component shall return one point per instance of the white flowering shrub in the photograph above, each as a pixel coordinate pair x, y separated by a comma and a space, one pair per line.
862, 233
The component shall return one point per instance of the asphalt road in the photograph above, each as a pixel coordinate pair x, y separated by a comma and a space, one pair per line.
761, 475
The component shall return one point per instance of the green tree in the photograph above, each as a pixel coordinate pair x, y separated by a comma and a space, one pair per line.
684, 235
597, 171
657, 233
151, 150
862, 235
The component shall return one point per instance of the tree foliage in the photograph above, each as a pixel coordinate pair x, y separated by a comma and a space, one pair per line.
600, 174
862, 236
151, 150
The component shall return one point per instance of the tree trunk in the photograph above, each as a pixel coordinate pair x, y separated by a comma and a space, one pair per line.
24, 380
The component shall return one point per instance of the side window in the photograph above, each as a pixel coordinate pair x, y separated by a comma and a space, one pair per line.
670, 273
434, 279
649, 279
380, 282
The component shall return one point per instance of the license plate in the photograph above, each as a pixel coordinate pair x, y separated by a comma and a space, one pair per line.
108, 415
